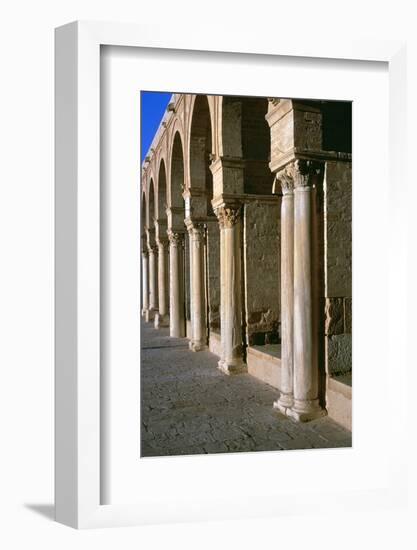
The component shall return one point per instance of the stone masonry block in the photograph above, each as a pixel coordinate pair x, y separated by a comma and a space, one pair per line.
339, 353
348, 315
338, 229
334, 311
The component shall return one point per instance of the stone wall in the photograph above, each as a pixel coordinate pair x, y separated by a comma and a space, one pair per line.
261, 245
213, 275
338, 266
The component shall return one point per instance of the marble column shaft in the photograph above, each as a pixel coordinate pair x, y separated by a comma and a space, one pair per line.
285, 400
153, 278
306, 376
161, 319
190, 280
176, 284
145, 282
231, 361
198, 301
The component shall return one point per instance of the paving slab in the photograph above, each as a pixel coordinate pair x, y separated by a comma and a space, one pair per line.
188, 406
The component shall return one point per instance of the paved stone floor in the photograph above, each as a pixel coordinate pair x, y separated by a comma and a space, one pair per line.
190, 407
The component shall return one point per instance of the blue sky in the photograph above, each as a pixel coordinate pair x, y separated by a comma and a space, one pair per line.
153, 105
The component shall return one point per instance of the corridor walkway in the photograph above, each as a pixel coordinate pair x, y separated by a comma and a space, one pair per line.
190, 407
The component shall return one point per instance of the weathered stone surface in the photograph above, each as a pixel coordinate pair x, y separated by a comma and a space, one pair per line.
334, 320
339, 353
307, 127
281, 120
213, 272
262, 267
348, 315
338, 229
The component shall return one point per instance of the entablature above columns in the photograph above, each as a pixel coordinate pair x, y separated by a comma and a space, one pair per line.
175, 218
195, 202
297, 133
242, 198
302, 154
294, 126
228, 175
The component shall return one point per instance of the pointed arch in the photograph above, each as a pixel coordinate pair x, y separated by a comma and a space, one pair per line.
162, 191
151, 213
177, 171
201, 148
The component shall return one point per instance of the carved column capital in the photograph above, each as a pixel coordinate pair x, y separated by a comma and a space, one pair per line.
228, 215
305, 172
195, 229
285, 180
176, 238
298, 174
152, 248
274, 100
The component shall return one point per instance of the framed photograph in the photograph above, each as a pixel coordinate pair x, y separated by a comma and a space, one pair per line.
221, 277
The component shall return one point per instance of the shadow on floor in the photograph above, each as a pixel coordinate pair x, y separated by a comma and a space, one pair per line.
45, 510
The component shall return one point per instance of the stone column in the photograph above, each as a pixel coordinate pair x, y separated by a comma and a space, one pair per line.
145, 282
222, 291
161, 318
306, 376
198, 302
231, 361
153, 280
286, 397
176, 284
190, 289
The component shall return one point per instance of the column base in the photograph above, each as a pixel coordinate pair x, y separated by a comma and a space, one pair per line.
284, 403
161, 320
304, 411
197, 346
149, 315
229, 368
176, 332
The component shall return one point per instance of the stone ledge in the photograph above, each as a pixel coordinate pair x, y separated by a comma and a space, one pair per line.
339, 402
297, 153
265, 366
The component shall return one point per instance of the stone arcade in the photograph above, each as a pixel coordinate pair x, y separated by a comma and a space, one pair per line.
246, 242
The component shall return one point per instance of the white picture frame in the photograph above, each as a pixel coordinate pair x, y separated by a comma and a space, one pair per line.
78, 242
